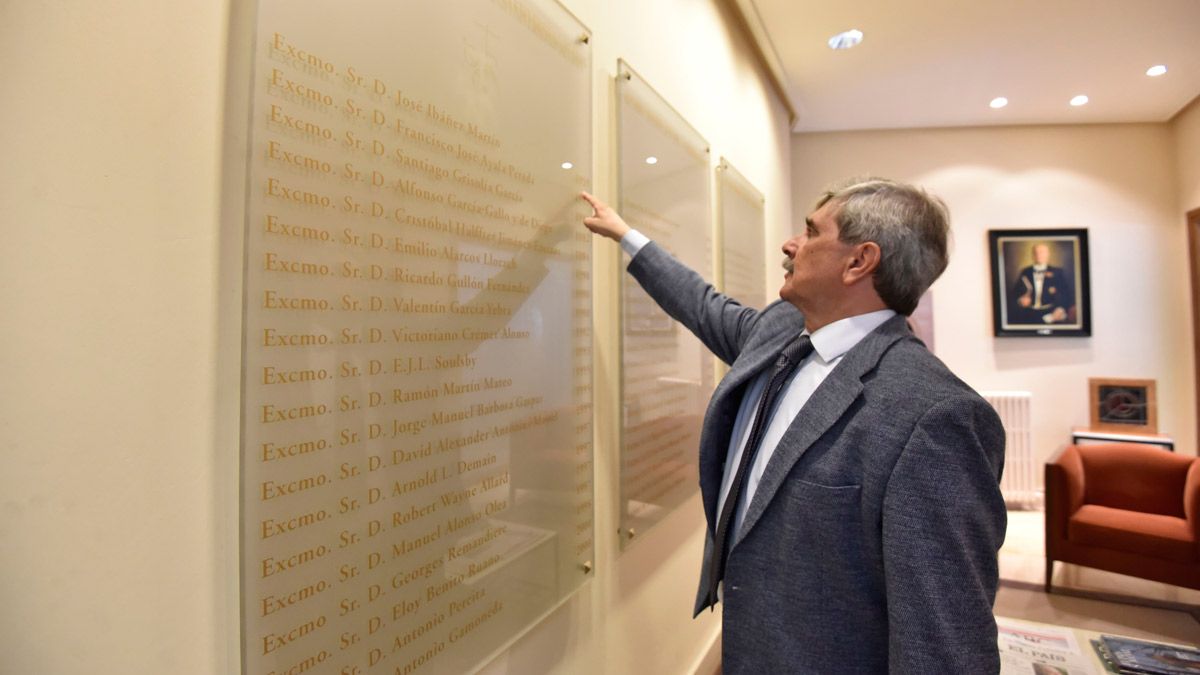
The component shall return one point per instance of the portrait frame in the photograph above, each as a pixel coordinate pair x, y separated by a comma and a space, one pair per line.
1046, 297
1122, 405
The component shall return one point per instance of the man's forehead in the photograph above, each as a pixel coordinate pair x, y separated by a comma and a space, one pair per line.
824, 214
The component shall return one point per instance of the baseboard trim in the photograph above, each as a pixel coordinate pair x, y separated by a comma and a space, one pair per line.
1191, 610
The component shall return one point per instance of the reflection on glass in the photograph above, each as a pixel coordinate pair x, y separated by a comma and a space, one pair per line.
667, 374
416, 454
742, 221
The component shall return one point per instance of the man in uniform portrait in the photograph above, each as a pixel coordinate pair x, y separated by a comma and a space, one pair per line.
1043, 293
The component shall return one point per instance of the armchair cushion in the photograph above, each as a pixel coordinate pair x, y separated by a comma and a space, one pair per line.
1151, 534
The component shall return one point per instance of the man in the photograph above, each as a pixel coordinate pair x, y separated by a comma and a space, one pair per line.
1043, 294
865, 517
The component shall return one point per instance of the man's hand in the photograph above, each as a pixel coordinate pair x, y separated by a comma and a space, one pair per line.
604, 221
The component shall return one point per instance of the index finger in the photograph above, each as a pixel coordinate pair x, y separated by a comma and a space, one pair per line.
595, 203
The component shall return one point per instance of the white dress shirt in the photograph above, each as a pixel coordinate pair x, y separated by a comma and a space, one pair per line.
633, 241
830, 344
1039, 282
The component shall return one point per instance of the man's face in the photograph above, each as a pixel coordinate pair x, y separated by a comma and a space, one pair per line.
815, 261
1041, 254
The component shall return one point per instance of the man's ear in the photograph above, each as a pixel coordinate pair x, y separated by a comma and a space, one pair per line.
863, 261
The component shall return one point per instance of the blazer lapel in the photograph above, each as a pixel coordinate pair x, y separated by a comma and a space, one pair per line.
723, 409
825, 407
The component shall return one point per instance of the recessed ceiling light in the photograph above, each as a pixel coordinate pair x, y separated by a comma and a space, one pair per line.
568, 165
999, 102
846, 39
1079, 100
652, 160
1155, 71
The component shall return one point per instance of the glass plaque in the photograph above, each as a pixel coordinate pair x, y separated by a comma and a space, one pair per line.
417, 425
666, 374
743, 221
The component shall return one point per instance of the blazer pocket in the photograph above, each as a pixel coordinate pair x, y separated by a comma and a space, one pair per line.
828, 518
836, 492
825, 510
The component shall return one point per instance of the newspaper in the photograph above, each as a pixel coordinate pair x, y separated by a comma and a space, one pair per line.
1038, 649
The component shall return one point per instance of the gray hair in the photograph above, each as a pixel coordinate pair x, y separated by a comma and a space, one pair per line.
911, 227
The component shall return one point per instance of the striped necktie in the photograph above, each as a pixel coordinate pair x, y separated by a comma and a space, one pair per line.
791, 356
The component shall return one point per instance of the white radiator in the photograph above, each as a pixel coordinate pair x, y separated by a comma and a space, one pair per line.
1019, 483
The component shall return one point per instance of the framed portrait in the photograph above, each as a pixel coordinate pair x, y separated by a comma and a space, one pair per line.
1122, 405
1040, 284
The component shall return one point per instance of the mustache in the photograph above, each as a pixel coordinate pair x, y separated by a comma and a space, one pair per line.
788, 265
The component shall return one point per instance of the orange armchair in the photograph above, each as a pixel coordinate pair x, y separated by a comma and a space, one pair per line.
1124, 508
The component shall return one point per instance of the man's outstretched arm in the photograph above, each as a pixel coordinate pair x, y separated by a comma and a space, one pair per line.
720, 322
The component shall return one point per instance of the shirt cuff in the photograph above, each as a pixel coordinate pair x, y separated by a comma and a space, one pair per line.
633, 241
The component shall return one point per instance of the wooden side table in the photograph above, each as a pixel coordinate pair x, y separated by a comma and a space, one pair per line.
1080, 435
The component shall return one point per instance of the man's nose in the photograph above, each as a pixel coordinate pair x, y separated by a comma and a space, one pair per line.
790, 246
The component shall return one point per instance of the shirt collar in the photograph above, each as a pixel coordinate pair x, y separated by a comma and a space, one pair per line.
832, 341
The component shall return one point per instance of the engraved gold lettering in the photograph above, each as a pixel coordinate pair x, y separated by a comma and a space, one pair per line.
273, 300
275, 226
468, 627
474, 543
281, 84
272, 489
306, 197
271, 565
281, 45
273, 263
274, 641
403, 547
274, 603
272, 451
423, 571
311, 130
271, 414
271, 375
304, 665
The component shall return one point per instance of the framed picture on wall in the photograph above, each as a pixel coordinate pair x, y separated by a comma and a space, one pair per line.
1122, 405
1040, 283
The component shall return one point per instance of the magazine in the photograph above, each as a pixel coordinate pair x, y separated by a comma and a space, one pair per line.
1153, 658
1105, 659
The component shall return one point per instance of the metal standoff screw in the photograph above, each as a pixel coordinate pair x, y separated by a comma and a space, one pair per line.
585, 39
587, 567
632, 533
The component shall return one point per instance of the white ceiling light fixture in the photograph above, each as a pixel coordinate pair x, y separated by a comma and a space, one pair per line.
846, 39
1079, 100
998, 102
652, 160
1155, 71
568, 165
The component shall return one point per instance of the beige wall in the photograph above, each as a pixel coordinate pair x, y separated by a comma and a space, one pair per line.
121, 286
1118, 181
114, 525
1186, 128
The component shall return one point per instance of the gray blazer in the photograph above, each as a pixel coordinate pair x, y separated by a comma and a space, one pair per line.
870, 544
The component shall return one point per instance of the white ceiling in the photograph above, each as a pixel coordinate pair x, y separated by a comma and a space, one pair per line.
937, 63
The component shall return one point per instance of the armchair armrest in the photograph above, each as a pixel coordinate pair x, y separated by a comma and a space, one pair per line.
1191, 498
1064, 495
1065, 467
